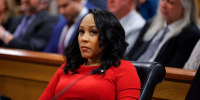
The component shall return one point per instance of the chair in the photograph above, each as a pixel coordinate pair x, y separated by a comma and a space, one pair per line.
194, 91
4, 98
150, 73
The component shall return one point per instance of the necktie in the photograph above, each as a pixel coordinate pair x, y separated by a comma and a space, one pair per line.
152, 47
62, 46
23, 25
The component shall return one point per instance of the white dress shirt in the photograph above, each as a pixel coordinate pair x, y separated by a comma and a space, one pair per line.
132, 24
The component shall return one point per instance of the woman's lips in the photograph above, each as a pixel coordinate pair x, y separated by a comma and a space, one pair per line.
84, 48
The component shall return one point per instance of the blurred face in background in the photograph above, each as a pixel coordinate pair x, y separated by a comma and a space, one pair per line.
31, 5
3, 6
88, 38
172, 10
120, 7
69, 8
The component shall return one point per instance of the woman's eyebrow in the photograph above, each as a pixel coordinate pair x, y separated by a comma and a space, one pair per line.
93, 26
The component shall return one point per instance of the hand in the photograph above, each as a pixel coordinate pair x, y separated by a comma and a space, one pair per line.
6, 38
2, 31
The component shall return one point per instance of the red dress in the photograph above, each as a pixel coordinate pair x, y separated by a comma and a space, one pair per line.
121, 83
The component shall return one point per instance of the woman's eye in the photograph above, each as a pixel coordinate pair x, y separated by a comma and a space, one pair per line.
80, 31
94, 32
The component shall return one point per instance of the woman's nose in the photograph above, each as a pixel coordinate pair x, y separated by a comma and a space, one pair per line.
85, 38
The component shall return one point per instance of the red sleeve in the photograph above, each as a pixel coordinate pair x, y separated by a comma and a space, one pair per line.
127, 82
50, 90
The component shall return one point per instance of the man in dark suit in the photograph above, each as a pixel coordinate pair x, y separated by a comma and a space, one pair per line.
65, 30
171, 36
32, 30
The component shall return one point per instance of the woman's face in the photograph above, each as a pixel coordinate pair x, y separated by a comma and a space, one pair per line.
88, 38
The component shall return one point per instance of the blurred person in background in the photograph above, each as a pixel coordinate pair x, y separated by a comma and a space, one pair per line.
53, 8
64, 31
147, 8
131, 21
30, 31
171, 36
7, 12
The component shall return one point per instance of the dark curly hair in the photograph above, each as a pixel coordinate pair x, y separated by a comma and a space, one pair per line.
111, 37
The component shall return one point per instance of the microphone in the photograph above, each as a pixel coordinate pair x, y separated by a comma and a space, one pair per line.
97, 70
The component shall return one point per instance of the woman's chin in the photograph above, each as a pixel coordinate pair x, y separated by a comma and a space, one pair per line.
85, 56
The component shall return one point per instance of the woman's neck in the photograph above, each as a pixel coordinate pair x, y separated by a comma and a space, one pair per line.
93, 62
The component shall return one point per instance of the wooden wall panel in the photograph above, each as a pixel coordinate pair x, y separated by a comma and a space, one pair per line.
169, 90
21, 89
27, 70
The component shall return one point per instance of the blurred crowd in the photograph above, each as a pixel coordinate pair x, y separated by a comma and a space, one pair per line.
164, 31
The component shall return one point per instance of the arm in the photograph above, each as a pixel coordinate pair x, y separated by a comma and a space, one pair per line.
127, 82
39, 38
5, 36
49, 92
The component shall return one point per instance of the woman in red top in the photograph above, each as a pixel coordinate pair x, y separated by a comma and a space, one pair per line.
95, 69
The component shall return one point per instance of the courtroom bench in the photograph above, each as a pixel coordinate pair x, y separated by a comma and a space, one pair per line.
25, 74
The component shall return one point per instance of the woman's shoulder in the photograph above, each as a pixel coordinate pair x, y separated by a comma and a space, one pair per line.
125, 62
63, 65
61, 68
125, 65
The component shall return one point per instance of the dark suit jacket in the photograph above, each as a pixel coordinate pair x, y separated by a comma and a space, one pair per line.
174, 52
52, 46
7, 23
37, 34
